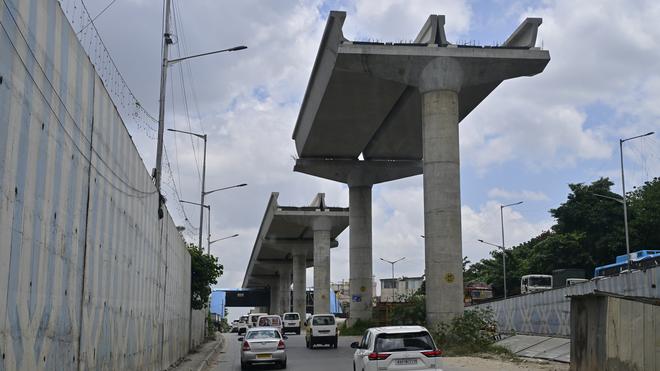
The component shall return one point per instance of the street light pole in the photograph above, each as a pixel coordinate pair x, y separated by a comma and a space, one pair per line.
503, 261
167, 40
623, 187
203, 193
503, 245
392, 262
201, 201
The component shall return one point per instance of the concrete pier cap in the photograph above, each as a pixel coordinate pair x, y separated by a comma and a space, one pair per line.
291, 239
375, 112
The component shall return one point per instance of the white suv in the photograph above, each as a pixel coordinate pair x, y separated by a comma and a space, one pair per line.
396, 348
291, 322
321, 329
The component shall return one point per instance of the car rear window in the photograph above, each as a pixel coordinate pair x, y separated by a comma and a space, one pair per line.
262, 334
402, 342
291, 316
269, 321
323, 321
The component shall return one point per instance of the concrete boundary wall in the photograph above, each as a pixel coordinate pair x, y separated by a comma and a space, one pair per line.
90, 278
548, 312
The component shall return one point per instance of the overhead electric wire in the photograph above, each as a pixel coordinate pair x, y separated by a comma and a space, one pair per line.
55, 114
108, 80
178, 27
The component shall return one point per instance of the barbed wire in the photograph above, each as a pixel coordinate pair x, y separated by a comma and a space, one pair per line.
127, 104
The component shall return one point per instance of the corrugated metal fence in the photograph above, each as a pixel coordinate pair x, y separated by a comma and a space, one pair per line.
549, 312
90, 279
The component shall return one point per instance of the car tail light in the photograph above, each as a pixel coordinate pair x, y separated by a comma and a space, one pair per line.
246, 346
281, 345
378, 356
433, 353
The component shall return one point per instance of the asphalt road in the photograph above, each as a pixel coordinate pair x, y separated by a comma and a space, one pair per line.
324, 358
299, 358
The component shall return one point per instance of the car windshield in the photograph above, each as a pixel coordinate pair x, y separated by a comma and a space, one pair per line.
323, 320
291, 316
262, 334
540, 281
404, 342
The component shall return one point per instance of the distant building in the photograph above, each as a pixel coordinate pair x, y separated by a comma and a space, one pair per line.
397, 289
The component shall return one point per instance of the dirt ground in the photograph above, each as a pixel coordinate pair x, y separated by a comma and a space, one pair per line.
488, 364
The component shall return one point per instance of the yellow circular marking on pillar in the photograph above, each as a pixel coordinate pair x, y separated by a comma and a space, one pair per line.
363, 289
449, 277
322, 296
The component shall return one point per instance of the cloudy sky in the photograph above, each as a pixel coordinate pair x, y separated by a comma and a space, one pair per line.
525, 142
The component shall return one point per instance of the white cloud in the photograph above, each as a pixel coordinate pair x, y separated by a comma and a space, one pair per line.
484, 223
518, 195
392, 20
602, 53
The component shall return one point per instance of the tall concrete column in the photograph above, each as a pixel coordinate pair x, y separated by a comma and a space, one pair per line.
285, 290
442, 206
274, 297
360, 253
321, 267
299, 284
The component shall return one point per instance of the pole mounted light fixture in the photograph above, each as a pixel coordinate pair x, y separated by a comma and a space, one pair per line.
392, 262
223, 238
503, 245
623, 188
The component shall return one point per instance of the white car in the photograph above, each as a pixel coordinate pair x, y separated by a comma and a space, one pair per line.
262, 345
291, 322
270, 320
321, 329
242, 325
253, 318
399, 348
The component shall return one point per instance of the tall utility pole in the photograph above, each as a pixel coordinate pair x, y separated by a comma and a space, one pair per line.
625, 202
166, 62
167, 40
503, 245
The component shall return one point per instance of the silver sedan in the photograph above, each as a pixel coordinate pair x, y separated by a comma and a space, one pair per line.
263, 345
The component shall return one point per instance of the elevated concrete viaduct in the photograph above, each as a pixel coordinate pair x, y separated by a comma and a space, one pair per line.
375, 112
290, 240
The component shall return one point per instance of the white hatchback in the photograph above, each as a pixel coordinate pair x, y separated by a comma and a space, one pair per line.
399, 348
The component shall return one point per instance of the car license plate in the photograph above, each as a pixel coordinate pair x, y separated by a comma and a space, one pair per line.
263, 356
324, 331
406, 361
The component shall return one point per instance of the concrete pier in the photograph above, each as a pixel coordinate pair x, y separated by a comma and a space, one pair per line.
360, 253
442, 206
360, 176
388, 103
274, 297
291, 239
285, 289
321, 269
299, 284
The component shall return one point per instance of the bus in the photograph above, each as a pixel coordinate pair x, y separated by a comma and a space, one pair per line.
641, 259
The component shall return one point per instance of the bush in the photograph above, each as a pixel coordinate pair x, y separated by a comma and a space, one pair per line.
413, 312
358, 328
473, 332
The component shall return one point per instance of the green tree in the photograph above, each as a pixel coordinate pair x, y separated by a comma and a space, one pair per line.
204, 272
644, 205
588, 232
